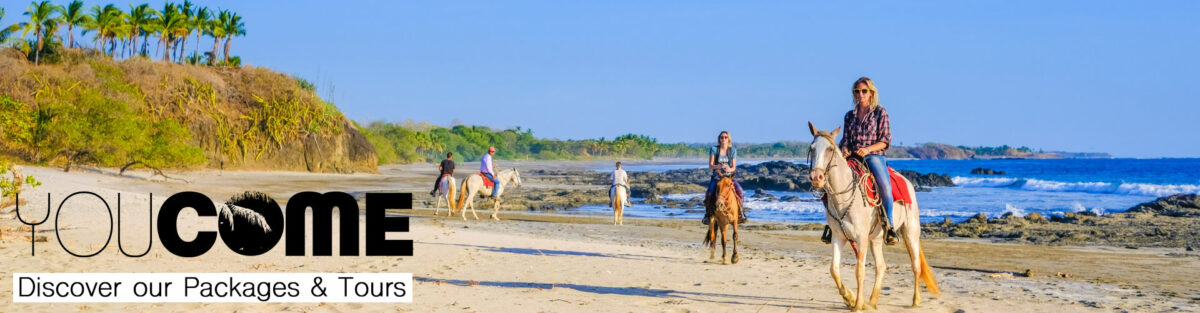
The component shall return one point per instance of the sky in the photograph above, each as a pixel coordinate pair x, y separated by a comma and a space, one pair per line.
1097, 76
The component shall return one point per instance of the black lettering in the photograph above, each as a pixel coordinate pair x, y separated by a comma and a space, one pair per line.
322, 207
168, 231
379, 224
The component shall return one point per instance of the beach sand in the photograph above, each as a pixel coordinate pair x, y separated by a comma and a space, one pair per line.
562, 263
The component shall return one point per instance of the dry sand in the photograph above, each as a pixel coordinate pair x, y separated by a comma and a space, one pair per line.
557, 263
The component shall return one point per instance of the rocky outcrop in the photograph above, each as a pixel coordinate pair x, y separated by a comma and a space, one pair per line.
1164, 222
986, 171
927, 180
1182, 205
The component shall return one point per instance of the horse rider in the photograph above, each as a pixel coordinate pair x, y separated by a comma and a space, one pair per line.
867, 135
446, 169
489, 169
619, 178
722, 160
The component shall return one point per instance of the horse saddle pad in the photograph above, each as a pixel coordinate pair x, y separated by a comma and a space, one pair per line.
486, 182
899, 185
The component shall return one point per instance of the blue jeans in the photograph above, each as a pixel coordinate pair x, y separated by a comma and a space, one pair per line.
883, 182
495, 183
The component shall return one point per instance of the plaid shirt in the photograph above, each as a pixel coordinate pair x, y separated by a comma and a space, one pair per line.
875, 127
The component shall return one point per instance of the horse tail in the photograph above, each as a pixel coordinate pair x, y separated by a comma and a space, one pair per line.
927, 276
708, 237
463, 195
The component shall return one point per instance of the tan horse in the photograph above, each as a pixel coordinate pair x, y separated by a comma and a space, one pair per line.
724, 215
474, 185
446, 192
617, 201
853, 221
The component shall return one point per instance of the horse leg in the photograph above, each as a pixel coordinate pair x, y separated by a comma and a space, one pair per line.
724, 232
496, 209
912, 241
860, 275
835, 270
437, 208
880, 269
735, 258
471, 203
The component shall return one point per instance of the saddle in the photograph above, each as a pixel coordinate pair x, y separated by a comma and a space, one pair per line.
486, 182
899, 186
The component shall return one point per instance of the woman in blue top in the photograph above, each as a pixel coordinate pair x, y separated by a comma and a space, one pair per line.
722, 160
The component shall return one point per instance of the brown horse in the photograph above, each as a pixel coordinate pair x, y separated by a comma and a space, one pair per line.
725, 214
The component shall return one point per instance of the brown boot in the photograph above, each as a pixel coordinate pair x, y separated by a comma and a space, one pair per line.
827, 235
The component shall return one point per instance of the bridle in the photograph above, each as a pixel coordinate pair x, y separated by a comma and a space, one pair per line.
855, 186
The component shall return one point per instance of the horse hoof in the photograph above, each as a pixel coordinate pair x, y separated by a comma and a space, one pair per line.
723, 262
735, 259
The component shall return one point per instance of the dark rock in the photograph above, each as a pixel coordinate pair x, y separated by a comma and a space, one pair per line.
927, 180
986, 171
1181, 205
789, 198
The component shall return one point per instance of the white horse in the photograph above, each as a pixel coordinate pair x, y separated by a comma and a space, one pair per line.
446, 192
616, 199
474, 185
853, 221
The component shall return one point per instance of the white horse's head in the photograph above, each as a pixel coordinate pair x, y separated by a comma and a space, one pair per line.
821, 153
515, 178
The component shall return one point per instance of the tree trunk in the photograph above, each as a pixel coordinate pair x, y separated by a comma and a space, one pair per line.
37, 55
227, 38
70, 35
182, 49
213, 59
166, 50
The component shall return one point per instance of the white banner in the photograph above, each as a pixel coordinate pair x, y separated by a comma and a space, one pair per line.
212, 287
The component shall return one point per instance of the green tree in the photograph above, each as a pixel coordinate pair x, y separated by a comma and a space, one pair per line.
233, 27
170, 21
39, 19
201, 22
141, 18
185, 30
73, 15
216, 30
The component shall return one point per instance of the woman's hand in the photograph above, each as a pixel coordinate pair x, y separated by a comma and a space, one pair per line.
863, 152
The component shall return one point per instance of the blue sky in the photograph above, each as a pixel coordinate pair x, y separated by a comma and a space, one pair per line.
1097, 76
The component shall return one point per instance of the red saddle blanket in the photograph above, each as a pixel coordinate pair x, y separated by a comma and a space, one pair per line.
899, 185
486, 182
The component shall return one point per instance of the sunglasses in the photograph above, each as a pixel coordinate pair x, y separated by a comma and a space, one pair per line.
861, 91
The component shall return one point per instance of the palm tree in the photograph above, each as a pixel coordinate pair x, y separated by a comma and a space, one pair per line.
8, 30
201, 22
39, 18
234, 27
105, 21
72, 15
186, 28
140, 20
217, 31
170, 20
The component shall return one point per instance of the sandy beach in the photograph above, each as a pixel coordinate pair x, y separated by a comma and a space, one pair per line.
532, 262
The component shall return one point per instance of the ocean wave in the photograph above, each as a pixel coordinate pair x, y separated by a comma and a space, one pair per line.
1031, 184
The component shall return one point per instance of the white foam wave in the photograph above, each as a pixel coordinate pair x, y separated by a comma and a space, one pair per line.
1009, 208
682, 196
1031, 184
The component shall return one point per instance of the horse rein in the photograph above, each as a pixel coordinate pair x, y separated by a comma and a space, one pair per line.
828, 189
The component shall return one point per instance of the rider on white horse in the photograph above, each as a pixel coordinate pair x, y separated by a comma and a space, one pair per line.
868, 134
489, 169
619, 178
445, 169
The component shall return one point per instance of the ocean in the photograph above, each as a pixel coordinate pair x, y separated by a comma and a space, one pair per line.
1048, 187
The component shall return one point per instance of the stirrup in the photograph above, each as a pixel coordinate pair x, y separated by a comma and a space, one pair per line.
827, 235
890, 237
